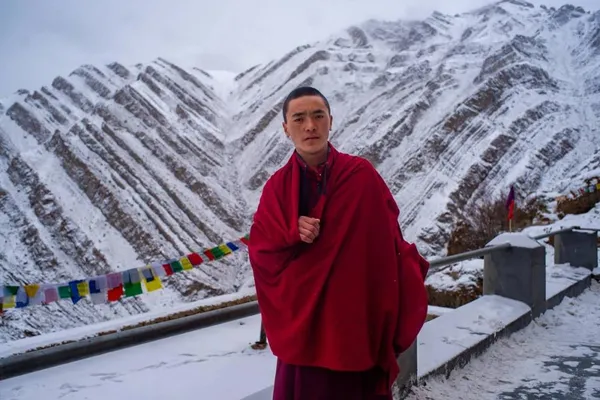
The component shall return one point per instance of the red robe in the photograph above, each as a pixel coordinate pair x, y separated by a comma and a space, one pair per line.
354, 298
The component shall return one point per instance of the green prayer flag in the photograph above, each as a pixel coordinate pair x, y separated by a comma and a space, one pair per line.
64, 292
176, 265
133, 289
10, 290
217, 252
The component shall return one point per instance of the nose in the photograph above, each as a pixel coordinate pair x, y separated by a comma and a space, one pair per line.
309, 126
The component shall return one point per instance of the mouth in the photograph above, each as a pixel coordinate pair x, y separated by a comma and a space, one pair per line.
308, 139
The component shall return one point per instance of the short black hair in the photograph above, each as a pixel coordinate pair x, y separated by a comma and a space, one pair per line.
301, 92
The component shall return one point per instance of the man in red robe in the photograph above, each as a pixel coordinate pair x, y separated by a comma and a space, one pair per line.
341, 293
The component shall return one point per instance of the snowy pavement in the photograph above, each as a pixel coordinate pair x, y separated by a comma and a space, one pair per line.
556, 357
212, 363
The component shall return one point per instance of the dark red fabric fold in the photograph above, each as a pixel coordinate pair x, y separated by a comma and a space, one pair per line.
356, 296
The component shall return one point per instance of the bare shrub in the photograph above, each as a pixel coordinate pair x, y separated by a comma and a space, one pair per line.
488, 218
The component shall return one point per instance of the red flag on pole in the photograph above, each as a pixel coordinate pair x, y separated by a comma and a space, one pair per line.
510, 203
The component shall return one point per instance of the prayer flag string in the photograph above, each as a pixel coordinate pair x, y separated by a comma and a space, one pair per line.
115, 285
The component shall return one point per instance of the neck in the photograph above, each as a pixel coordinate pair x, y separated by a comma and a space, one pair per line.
314, 159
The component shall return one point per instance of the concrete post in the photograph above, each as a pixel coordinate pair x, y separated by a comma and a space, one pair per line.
518, 272
408, 371
580, 249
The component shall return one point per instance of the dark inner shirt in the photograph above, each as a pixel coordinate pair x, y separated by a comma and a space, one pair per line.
312, 182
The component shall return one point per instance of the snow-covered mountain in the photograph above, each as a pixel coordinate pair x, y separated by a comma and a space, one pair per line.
116, 166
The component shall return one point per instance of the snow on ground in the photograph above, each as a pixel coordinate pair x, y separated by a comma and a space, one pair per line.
556, 356
448, 336
557, 352
462, 274
216, 363
23, 345
82, 332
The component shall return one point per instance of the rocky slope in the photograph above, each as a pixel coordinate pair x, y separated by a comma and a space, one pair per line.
117, 166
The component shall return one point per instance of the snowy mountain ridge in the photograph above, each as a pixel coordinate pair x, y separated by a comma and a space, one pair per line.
116, 166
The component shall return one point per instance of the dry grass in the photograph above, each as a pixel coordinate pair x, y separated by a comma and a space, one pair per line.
578, 205
485, 220
456, 297
50, 345
430, 317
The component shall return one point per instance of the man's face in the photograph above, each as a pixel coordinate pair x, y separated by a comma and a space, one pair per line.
308, 124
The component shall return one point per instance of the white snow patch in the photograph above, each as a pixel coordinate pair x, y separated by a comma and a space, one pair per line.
449, 335
560, 277
212, 363
453, 277
516, 239
82, 332
435, 310
529, 359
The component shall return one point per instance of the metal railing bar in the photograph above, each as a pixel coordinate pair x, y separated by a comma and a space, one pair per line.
467, 255
545, 235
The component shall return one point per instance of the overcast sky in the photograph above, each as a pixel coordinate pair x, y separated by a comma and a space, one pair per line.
40, 39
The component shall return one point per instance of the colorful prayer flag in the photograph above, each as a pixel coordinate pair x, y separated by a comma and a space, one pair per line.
64, 292
168, 269
114, 294
31, 290
74, 286
35, 294
224, 249
186, 264
217, 252
10, 290
133, 289
9, 302
176, 266
195, 259
83, 288
50, 294
147, 274
232, 246
158, 270
152, 282
94, 286
22, 298
98, 297
209, 254
134, 275
114, 280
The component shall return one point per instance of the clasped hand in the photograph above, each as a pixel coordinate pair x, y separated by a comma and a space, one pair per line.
309, 228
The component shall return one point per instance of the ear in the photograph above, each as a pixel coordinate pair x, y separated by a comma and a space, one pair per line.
284, 125
330, 122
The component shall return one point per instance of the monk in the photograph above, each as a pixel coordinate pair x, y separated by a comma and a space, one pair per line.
341, 293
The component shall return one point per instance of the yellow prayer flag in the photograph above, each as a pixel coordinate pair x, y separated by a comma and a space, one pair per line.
225, 249
83, 289
186, 264
31, 290
9, 302
154, 284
